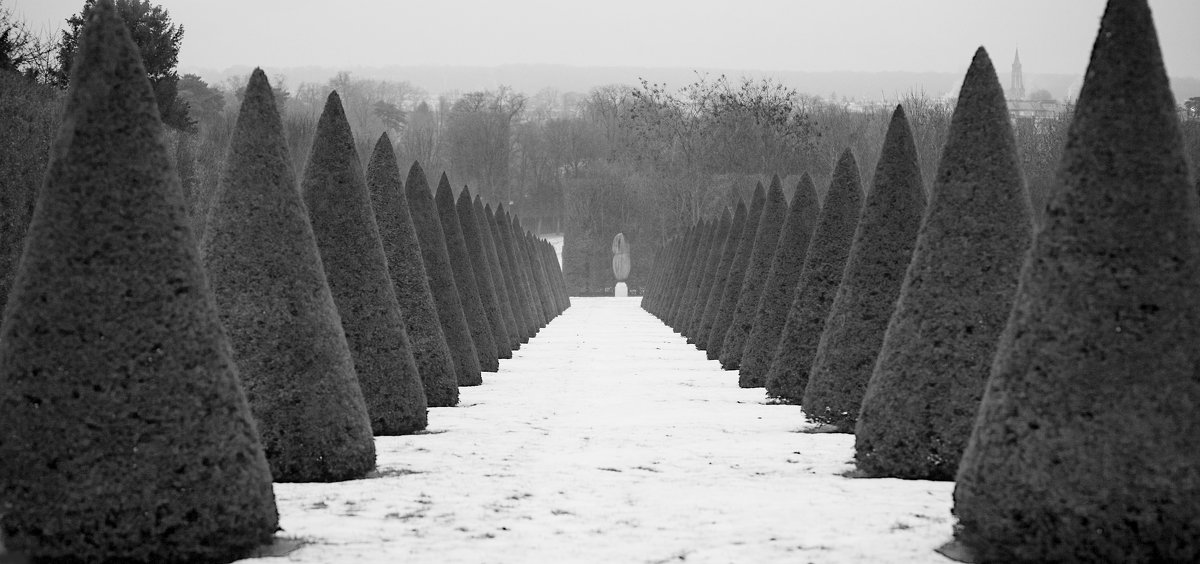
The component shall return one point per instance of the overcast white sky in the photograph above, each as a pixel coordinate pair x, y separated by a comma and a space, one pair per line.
1054, 36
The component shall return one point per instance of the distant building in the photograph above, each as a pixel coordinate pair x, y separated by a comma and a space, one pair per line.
1018, 106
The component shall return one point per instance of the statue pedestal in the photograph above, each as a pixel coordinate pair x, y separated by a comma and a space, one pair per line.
621, 290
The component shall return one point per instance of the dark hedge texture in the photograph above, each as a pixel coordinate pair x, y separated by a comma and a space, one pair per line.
500, 283
434, 361
508, 256
924, 391
464, 278
780, 288
695, 307
441, 277
124, 431
737, 275
1085, 445
266, 273
525, 325
879, 256
818, 284
765, 242
728, 252
339, 206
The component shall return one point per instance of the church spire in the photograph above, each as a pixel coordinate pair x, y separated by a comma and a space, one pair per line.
1017, 90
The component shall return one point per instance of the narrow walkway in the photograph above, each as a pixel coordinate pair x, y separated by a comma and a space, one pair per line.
609, 439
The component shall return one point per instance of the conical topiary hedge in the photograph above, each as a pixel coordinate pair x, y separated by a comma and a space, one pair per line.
765, 242
124, 431
342, 218
686, 273
262, 261
818, 283
509, 230
523, 307
780, 288
524, 322
879, 256
407, 269
708, 273
501, 284
536, 285
723, 316
441, 277
464, 278
1084, 448
728, 252
924, 391
483, 272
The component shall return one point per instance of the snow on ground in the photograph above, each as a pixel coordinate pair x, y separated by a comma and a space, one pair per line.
607, 438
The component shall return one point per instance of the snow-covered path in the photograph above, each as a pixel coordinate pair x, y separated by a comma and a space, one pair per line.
609, 439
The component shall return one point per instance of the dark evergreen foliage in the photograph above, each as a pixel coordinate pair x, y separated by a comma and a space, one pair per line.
521, 314
504, 241
926, 385
818, 284
879, 256
766, 240
723, 317
507, 225
728, 252
464, 278
521, 243
708, 273
686, 272
1085, 445
339, 206
262, 261
441, 277
501, 285
124, 431
434, 361
691, 288
780, 288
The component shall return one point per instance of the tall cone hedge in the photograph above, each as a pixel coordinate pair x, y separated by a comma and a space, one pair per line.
879, 256
266, 273
708, 273
924, 392
780, 287
1085, 444
500, 283
521, 313
765, 242
687, 272
441, 277
343, 220
508, 256
728, 252
818, 284
124, 431
723, 316
409, 278
464, 278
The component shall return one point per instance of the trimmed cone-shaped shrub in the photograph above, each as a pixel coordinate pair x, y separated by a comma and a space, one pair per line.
691, 289
262, 261
924, 391
686, 272
441, 277
342, 218
124, 431
520, 314
879, 256
523, 307
737, 275
1085, 444
728, 252
818, 284
765, 242
522, 239
780, 288
507, 225
407, 269
464, 278
483, 273
500, 283
708, 273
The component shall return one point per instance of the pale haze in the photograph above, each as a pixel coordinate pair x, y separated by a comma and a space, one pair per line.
1054, 36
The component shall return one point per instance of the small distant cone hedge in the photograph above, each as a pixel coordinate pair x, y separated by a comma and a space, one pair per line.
780, 287
818, 284
339, 206
723, 315
879, 256
721, 277
125, 435
765, 242
441, 277
407, 269
500, 282
924, 391
464, 278
691, 320
1084, 448
262, 261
